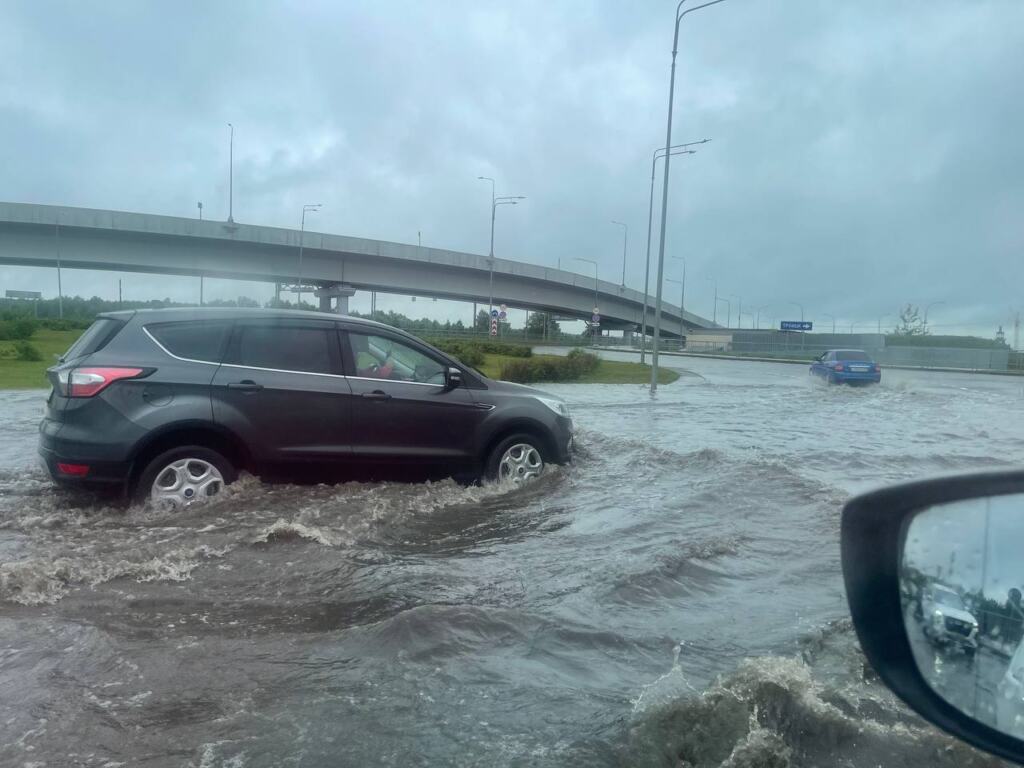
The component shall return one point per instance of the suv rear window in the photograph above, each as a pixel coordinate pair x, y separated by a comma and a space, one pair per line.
852, 356
286, 348
195, 340
95, 338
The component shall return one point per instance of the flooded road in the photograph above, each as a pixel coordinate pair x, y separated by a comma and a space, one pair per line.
673, 597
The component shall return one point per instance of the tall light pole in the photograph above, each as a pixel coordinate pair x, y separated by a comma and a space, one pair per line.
801, 306
714, 308
826, 314
739, 309
664, 187
933, 304
593, 336
231, 175
678, 149
682, 290
728, 311
309, 208
625, 239
495, 202
682, 301
757, 322
200, 206
880, 319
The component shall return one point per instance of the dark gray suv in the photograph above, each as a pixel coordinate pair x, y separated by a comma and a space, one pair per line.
171, 404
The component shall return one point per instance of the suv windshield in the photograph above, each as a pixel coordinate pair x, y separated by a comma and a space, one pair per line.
949, 599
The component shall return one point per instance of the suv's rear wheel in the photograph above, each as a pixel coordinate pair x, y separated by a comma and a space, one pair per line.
184, 476
517, 459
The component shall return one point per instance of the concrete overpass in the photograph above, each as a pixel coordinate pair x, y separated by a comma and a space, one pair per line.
83, 238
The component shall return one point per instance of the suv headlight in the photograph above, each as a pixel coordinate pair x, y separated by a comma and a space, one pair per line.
557, 406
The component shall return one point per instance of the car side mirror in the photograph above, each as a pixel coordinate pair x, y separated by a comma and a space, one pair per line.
934, 574
452, 378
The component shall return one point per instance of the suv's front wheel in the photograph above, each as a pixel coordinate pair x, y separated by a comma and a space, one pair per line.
517, 459
184, 476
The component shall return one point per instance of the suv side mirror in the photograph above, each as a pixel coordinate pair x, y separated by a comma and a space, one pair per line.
452, 378
934, 576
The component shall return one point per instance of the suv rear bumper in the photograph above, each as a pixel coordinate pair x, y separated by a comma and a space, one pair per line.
100, 473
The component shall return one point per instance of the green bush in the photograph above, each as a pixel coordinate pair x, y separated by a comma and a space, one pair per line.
472, 352
25, 350
570, 368
20, 328
57, 324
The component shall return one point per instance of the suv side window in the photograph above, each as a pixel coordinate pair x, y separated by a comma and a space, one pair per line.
302, 348
194, 340
381, 357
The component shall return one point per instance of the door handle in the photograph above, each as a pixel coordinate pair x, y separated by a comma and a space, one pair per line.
376, 395
246, 385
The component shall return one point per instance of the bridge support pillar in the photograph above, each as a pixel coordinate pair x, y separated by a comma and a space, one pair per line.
338, 291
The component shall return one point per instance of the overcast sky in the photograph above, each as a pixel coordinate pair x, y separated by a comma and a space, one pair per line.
863, 155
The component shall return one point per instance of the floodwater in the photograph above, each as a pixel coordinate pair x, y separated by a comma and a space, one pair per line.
672, 598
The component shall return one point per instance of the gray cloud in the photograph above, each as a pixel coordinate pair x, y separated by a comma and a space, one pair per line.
863, 155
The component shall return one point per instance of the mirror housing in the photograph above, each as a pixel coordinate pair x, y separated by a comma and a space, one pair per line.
452, 377
874, 532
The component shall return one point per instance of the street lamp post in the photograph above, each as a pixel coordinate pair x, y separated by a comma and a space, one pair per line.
200, 206
728, 310
625, 239
678, 149
757, 322
495, 202
664, 187
739, 309
826, 314
880, 319
231, 175
682, 291
714, 306
309, 208
593, 336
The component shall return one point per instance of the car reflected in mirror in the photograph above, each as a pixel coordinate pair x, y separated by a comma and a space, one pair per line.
934, 577
961, 575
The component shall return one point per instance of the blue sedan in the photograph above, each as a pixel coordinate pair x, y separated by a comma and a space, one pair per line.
851, 366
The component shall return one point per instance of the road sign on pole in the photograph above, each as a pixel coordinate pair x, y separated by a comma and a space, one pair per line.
494, 327
502, 315
796, 325
494, 314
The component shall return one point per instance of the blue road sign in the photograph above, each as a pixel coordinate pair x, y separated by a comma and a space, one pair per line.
596, 319
797, 325
494, 314
502, 315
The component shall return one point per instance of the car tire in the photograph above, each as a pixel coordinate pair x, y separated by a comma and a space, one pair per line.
201, 474
518, 458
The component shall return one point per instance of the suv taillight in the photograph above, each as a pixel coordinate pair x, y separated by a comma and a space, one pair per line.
878, 368
86, 382
839, 366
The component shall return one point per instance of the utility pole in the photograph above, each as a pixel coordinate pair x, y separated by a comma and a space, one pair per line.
1016, 331
659, 282
119, 293
199, 205
308, 208
231, 176
60, 290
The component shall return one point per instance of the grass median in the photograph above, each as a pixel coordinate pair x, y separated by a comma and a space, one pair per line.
607, 371
31, 374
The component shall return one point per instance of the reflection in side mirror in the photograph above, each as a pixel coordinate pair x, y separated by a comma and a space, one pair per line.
452, 378
961, 577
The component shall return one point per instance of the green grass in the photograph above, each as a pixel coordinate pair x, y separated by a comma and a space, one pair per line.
608, 372
19, 374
